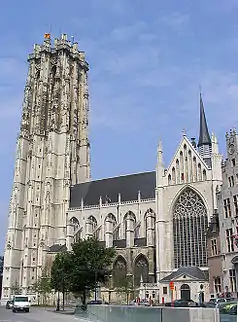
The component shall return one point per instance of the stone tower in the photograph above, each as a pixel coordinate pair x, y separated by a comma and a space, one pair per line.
52, 154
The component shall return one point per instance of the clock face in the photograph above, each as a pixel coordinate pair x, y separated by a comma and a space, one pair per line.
231, 149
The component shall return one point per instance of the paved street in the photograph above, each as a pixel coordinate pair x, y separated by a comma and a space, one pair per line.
35, 315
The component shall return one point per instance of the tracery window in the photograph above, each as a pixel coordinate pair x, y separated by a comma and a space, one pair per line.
113, 224
74, 221
93, 227
141, 269
189, 227
119, 272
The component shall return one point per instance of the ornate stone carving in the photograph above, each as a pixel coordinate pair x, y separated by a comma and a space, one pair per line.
9, 246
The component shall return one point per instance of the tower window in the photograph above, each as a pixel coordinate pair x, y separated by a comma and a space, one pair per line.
233, 162
182, 176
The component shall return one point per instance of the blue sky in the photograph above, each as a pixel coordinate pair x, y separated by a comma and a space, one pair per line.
147, 60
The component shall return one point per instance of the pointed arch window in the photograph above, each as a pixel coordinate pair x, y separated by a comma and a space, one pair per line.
199, 172
190, 223
141, 270
169, 179
177, 172
173, 176
194, 169
74, 221
119, 271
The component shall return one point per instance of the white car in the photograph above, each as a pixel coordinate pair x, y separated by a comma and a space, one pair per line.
21, 303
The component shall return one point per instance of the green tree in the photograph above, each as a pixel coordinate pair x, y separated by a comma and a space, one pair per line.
60, 273
125, 286
42, 286
84, 267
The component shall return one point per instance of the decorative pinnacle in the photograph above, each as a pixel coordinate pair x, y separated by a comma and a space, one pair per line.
160, 148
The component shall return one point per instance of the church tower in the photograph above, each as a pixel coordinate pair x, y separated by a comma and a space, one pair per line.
52, 154
204, 143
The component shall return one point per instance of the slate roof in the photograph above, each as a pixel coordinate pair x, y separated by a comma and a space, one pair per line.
194, 272
57, 248
204, 136
128, 186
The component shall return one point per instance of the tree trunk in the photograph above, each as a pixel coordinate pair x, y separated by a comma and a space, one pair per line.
83, 299
63, 298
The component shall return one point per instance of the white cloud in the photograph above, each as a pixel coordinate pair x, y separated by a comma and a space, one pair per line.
174, 20
125, 33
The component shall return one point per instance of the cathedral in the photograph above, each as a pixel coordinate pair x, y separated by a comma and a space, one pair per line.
156, 220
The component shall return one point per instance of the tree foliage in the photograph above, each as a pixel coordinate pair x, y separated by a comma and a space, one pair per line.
81, 269
42, 286
60, 272
125, 286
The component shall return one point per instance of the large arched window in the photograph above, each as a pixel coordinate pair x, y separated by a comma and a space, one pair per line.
74, 221
141, 269
189, 228
93, 227
129, 215
119, 272
113, 225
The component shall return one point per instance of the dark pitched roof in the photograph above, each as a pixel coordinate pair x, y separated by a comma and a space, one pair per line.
194, 272
128, 186
57, 248
204, 136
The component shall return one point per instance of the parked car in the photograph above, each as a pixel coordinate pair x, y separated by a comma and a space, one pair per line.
21, 303
215, 302
229, 307
95, 302
9, 304
181, 303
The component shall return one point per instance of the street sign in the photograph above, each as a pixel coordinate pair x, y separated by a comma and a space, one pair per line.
171, 285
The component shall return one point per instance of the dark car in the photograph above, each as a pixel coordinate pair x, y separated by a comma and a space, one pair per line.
181, 303
95, 302
9, 305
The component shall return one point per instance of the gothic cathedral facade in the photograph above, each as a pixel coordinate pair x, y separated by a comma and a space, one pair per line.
156, 220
